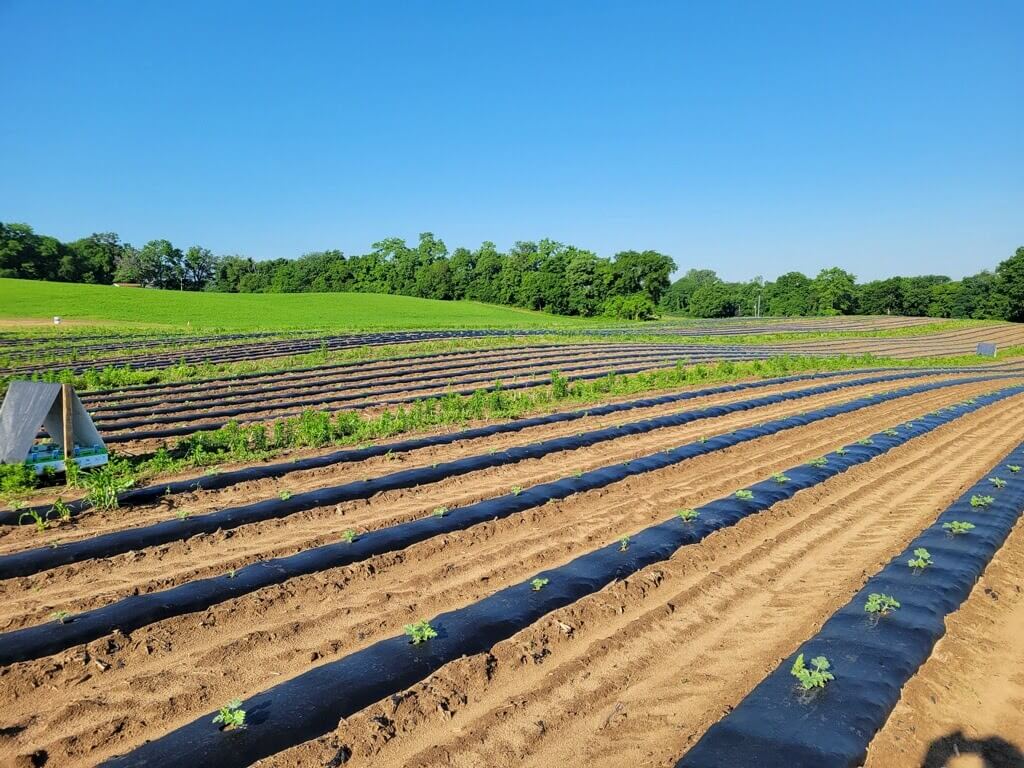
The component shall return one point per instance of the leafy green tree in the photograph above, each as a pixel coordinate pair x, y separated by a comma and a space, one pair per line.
1010, 274
713, 300
791, 295
835, 289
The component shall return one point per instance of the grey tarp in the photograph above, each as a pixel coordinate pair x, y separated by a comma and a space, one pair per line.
31, 404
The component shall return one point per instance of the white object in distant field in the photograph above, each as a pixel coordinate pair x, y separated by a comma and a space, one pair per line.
56, 319
987, 348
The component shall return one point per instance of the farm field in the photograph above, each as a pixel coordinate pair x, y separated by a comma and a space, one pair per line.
612, 569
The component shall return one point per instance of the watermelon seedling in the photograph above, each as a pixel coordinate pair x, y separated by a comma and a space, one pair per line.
956, 527
538, 584
881, 604
921, 560
817, 677
687, 515
231, 716
420, 632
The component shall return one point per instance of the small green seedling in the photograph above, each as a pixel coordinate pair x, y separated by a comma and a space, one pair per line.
981, 501
881, 604
39, 522
516, 490
812, 678
231, 573
538, 584
780, 478
820, 461
60, 510
956, 527
998, 482
578, 473
1015, 468
348, 536
182, 514
891, 433
745, 495
231, 716
61, 617
623, 543
921, 560
688, 515
420, 632
840, 451
866, 441
440, 511
284, 495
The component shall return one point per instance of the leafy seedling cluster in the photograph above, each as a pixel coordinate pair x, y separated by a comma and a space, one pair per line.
881, 604
745, 495
780, 478
1015, 468
61, 617
440, 511
538, 584
284, 495
348, 536
957, 527
688, 515
998, 482
817, 676
420, 632
231, 716
981, 501
820, 461
623, 543
922, 559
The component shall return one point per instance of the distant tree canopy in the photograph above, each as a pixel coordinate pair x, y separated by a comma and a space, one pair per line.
544, 275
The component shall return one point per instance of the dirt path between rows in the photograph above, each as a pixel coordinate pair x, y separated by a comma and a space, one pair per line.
965, 705
635, 674
80, 586
94, 701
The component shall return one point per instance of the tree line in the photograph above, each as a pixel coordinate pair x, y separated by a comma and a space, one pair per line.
543, 275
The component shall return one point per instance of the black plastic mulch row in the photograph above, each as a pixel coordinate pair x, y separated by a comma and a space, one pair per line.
390, 367
313, 703
137, 611
189, 429
369, 387
30, 561
776, 727
151, 493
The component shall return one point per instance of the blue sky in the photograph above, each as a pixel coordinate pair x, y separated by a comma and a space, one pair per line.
752, 138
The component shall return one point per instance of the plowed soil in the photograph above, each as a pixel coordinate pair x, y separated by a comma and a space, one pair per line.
629, 676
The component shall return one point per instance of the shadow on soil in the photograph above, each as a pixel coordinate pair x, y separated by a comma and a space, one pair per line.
994, 752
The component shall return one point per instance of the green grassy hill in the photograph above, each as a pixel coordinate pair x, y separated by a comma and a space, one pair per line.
24, 301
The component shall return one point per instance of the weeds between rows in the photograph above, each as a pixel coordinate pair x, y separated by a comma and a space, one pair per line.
235, 443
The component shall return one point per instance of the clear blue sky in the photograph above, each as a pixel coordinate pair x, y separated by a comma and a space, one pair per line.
752, 138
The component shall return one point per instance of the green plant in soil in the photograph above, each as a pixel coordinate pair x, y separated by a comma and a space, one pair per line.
440, 511
38, 521
957, 527
60, 510
284, 495
891, 432
1013, 468
865, 441
231, 573
817, 676
840, 451
780, 478
687, 515
538, 584
61, 617
516, 490
820, 461
623, 543
881, 604
922, 559
981, 501
103, 484
745, 495
348, 536
182, 514
998, 482
231, 716
420, 632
